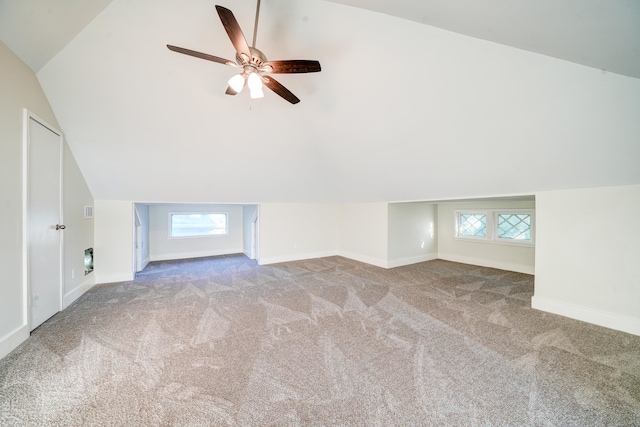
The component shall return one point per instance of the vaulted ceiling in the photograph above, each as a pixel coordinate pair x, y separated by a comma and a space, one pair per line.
417, 100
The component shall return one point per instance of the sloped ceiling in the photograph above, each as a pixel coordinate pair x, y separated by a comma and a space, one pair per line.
603, 34
401, 110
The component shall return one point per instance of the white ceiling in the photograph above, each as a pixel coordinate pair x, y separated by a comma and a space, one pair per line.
36, 30
401, 110
603, 34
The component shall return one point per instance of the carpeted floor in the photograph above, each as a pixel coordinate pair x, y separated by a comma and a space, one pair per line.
223, 341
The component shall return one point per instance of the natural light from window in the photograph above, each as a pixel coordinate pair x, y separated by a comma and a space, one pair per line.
472, 225
514, 226
198, 224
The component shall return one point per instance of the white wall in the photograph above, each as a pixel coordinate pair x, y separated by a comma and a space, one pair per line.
363, 230
292, 231
161, 247
20, 89
79, 233
113, 250
249, 213
412, 233
502, 256
588, 255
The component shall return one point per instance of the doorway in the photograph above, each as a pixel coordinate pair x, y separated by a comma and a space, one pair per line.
254, 237
137, 242
43, 222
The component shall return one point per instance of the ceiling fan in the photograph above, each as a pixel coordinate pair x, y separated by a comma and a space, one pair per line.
253, 62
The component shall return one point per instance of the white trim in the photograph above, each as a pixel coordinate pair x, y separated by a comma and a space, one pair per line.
253, 249
378, 262
201, 254
411, 260
61, 215
25, 220
13, 339
76, 293
137, 247
382, 263
114, 278
630, 325
518, 268
295, 257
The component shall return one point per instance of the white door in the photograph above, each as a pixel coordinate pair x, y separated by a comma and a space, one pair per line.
44, 221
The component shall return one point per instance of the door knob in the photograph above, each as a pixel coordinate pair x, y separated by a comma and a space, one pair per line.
60, 227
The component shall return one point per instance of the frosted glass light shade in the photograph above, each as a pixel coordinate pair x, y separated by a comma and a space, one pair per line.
255, 86
237, 82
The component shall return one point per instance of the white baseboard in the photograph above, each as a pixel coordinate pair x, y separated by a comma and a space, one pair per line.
201, 254
608, 320
518, 268
13, 339
114, 278
378, 262
351, 255
76, 293
411, 260
295, 257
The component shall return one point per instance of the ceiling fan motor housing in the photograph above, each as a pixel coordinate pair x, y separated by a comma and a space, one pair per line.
257, 58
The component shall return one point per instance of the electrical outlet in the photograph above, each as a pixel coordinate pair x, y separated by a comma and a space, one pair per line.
73, 273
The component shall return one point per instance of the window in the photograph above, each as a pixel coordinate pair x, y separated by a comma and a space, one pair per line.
514, 226
472, 225
198, 224
496, 226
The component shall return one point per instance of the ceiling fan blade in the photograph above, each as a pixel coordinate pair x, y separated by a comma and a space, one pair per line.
292, 66
234, 32
202, 55
279, 89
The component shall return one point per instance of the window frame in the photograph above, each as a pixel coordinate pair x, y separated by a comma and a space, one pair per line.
519, 242
198, 236
486, 214
492, 226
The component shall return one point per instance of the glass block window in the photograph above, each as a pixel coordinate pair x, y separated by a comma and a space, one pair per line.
514, 226
198, 224
472, 225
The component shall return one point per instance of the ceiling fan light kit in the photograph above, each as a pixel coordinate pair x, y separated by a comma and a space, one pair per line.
237, 83
255, 85
253, 62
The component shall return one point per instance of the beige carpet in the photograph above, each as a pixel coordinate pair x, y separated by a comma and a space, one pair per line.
223, 341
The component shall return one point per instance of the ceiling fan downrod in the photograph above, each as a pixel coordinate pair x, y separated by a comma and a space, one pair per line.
255, 26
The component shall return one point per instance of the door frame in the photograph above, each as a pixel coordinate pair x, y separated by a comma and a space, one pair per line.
254, 236
137, 241
26, 283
